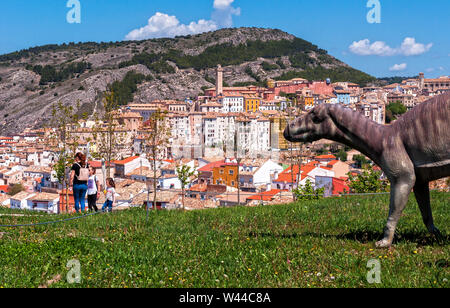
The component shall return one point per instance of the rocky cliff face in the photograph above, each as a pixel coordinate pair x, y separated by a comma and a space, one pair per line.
24, 102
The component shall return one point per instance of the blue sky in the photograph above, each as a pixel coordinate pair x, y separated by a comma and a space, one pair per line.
412, 36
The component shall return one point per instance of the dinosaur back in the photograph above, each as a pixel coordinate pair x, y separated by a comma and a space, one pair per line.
425, 132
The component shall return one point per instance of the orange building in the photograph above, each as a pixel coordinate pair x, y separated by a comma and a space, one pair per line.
252, 103
226, 174
308, 102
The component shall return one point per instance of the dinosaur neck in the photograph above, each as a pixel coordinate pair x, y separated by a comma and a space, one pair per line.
358, 132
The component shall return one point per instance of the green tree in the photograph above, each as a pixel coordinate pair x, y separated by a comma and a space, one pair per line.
308, 192
185, 174
367, 182
15, 189
394, 110
360, 160
342, 155
124, 90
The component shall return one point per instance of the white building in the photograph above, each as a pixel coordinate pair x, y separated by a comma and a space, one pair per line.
266, 173
180, 127
128, 165
219, 129
373, 111
19, 201
232, 103
253, 135
44, 202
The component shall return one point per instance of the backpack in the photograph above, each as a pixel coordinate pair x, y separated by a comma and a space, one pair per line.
84, 173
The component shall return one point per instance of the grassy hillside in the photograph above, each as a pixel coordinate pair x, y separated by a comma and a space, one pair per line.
323, 243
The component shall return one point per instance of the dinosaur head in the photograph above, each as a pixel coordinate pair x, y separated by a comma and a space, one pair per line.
310, 127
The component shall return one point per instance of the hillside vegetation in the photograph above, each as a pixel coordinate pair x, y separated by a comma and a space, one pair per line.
33, 80
323, 243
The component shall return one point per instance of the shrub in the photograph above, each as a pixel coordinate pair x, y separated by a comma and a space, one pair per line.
308, 192
394, 110
124, 90
51, 73
269, 67
15, 189
367, 182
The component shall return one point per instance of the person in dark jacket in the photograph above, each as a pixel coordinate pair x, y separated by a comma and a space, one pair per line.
79, 187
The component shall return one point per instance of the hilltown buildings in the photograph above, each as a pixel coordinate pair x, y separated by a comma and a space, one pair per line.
214, 132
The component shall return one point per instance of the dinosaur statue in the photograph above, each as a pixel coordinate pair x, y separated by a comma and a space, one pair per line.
412, 151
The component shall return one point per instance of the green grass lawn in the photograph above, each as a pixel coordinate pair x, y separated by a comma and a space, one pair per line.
325, 243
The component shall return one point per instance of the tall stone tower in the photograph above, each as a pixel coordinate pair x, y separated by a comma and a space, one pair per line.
219, 80
421, 81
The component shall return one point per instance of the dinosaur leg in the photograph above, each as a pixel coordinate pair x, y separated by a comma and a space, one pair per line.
422, 193
400, 190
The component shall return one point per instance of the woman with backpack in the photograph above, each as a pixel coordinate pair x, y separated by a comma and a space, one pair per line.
94, 189
79, 177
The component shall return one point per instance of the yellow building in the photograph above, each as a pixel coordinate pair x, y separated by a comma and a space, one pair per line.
252, 103
277, 127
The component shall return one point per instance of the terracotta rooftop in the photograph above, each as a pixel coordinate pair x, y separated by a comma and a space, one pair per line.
125, 161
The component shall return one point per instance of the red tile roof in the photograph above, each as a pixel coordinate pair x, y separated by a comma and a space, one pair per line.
286, 175
209, 167
97, 164
329, 156
125, 161
340, 186
333, 162
266, 196
199, 188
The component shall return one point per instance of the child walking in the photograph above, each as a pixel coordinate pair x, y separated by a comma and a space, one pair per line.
94, 189
110, 195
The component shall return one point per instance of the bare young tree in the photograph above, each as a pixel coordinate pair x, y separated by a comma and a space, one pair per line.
157, 141
109, 136
185, 175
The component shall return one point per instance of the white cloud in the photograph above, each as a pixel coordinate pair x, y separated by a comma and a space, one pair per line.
430, 69
222, 4
409, 47
163, 25
364, 48
398, 67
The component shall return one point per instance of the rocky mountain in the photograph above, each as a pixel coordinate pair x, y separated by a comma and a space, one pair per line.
33, 80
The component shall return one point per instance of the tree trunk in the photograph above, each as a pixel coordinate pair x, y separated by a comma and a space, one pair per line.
154, 183
182, 197
66, 183
238, 182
